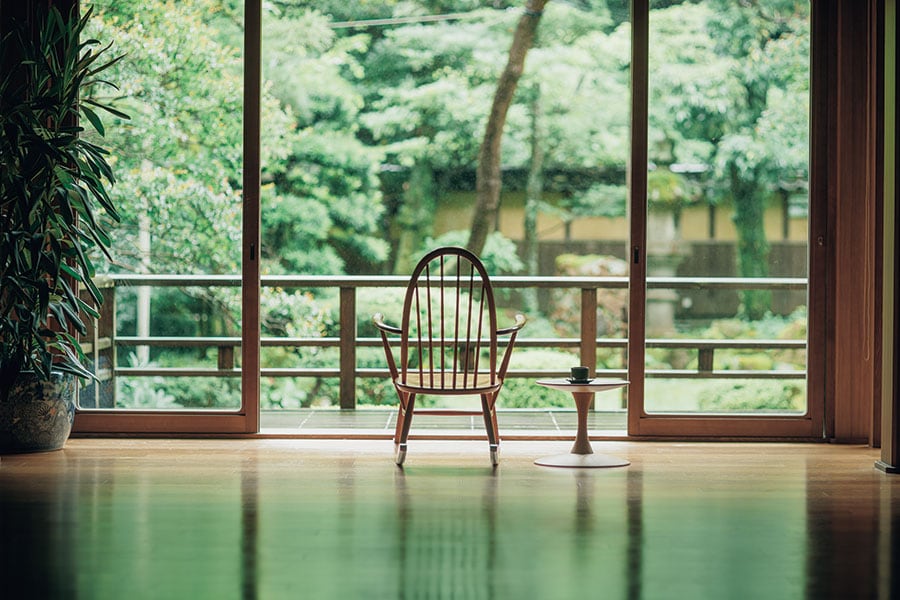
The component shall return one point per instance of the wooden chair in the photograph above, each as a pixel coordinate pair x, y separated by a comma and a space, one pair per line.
448, 341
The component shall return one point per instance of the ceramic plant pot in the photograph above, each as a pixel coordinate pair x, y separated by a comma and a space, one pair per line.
38, 415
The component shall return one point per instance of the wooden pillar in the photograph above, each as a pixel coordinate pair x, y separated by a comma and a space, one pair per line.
637, 210
890, 382
588, 348
348, 348
853, 212
251, 327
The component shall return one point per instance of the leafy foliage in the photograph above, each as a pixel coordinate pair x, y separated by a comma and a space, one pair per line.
499, 254
53, 187
753, 396
181, 156
730, 91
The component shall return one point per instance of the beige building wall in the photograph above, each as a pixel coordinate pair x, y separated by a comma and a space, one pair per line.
455, 212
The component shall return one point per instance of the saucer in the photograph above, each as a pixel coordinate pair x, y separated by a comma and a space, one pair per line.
577, 381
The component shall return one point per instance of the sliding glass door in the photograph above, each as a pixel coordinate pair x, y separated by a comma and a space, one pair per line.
723, 282
726, 194
174, 349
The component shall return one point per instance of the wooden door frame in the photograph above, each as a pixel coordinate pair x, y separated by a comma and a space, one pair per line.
811, 425
890, 396
844, 380
851, 133
245, 420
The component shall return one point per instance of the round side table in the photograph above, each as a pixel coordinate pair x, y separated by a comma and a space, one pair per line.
582, 455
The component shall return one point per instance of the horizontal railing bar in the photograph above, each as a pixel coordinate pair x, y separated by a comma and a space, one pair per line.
512, 374
126, 280
694, 343
213, 372
728, 283
500, 281
725, 344
214, 342
210, 342
324, 342
175, 372
299, 372
725, 374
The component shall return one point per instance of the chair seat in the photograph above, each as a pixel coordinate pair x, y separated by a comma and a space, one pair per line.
429, 383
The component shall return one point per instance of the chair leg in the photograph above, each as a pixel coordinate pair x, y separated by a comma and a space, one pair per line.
401, 417
490, 424
404, 420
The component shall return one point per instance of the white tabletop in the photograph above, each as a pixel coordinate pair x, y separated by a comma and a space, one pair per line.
595, 385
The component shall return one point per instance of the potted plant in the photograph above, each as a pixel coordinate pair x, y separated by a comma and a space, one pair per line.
53, 191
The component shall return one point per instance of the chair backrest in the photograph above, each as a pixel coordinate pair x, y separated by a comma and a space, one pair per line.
449, 322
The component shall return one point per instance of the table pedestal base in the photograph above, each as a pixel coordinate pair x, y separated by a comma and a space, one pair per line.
582, 455
582, 460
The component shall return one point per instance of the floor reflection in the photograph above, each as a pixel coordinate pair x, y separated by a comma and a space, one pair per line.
249, 530
242, 519
446, 528
854, 543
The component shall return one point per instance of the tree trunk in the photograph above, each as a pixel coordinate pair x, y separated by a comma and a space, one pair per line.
487, 174
144, 292
533, 193
753, 248
416, 216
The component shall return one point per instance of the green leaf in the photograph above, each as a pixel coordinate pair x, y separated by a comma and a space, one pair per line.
66, 269
94, 119
111, 110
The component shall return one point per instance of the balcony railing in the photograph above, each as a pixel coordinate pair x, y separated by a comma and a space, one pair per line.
102, 342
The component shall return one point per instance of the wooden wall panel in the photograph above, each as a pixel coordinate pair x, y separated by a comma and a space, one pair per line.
875, 38
890, 403
854, 231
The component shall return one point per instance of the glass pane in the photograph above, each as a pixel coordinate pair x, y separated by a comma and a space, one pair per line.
371, 131
178, 163
728, 197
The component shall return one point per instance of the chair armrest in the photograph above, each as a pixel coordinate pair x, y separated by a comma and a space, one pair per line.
512, 332
378, 319
520, 323
385, 329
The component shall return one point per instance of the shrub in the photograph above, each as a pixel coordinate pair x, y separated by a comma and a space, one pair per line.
753, 396
524, 393
612, 304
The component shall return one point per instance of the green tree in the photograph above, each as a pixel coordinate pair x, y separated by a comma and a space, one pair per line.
488, 176
182, 152
180, 155
426, 99
433, 83
181, 159
322, 209
575, 67
770, 45
731, 91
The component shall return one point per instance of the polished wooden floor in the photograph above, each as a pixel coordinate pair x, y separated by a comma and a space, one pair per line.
220, 519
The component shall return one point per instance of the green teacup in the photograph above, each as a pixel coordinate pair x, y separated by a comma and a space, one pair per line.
579, 375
